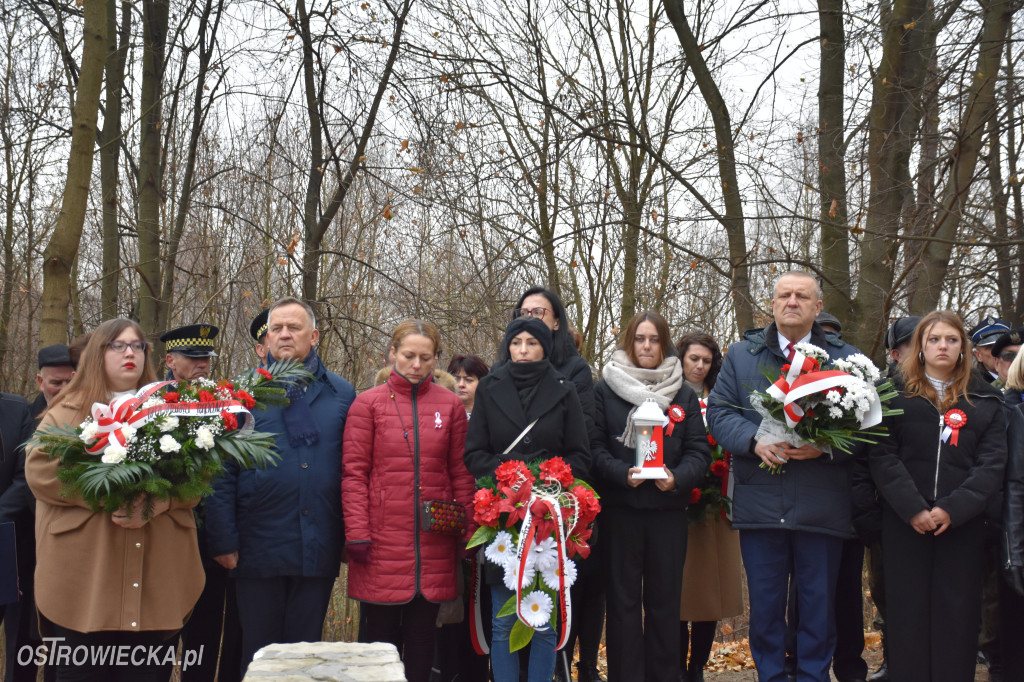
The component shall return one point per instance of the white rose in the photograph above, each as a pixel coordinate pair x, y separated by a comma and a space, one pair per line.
168, 444
168, 423
113, 453
204, 438
88, 431
129, 433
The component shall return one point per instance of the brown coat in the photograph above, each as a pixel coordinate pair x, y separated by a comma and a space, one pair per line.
92, 575
712, 588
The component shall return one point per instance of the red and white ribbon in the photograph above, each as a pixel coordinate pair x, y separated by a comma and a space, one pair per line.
803, 379
111, 419
954, 420
526, 538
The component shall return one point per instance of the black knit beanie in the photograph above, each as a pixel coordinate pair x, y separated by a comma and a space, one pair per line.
536, 328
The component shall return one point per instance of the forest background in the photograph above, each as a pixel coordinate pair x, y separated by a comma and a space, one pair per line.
184, 160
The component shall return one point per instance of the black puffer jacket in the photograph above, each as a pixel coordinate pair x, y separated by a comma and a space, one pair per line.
915, 471
686, 453
1013, 509
498, 418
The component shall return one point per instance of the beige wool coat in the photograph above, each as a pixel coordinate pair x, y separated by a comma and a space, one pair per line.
92, 575
712, 587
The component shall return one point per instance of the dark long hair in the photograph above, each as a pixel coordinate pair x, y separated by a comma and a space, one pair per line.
708, 341
563, 347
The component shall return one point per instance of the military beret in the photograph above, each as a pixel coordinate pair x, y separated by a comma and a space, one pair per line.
1014, 337
258, 326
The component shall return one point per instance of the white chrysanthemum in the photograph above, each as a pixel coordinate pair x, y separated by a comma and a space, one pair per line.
536, 609
544, 554
168, 444
168, 423
833, 397
501, 550
550, 577
113, 453
204, 438
812, 351
835, 412
512, 574
151, 401
88, 431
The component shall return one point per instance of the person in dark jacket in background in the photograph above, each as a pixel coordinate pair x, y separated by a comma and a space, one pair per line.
404, 442
524, 397
643, 522
794, 523
942, 462
1011, 586
280, 529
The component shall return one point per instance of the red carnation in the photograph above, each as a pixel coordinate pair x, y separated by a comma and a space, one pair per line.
556, 469
786, 367
206, 397
588, 503
512, 473
719, 468
265, 374
224, 383
711, 440
485, 508
171, 397
230, 420
245, 399
695, 496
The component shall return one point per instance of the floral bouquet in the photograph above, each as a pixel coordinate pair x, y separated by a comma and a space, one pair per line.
711, 496
168, 440
533, 519
830, 403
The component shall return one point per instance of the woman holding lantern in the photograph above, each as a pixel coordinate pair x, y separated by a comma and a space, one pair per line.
712, 586
643, 522
937, 472
524, 410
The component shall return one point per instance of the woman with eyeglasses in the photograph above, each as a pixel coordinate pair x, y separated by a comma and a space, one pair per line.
937, 473
110, 578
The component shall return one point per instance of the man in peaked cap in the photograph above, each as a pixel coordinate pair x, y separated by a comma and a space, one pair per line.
189, 351
258, 332
830, 323
55, 371
983, 335
1005, 349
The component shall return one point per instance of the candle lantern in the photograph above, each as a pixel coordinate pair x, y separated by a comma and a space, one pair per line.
649, 424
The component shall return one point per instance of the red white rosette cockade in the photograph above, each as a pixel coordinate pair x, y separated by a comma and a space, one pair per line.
954, 420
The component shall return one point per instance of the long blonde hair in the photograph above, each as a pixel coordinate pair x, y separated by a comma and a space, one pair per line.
89, 385
912, 364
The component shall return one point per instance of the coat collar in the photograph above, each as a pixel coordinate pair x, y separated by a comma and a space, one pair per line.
401, 386
552, 388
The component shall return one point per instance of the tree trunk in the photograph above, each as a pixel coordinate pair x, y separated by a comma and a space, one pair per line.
150, 181
1000, 200
62, 249
110, 145
733, 218
835, 234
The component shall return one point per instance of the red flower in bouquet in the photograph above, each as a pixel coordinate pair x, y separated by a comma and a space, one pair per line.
515, 502
264, 373
172, 397
589, 506
485, 508
576, 542
557, 470
719, 468
711, 440
230, 420
695, 496
512, 473
207, 397
246, 399
224, 383
542, 519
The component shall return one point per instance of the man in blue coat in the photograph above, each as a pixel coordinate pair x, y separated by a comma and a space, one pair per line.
790, 523
280, 529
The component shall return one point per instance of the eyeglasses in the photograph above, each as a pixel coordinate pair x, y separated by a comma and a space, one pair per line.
1008, 356
122, 346
530, 312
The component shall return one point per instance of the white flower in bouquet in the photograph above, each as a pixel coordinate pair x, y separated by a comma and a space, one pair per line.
863, 368
168, 423
550, 577
501, 550
129, 433
833, 397
151, 401
204, 438
812, 351
536, 608
835, 412
544, 554
113, 453
89, 431
168, 444
512, 574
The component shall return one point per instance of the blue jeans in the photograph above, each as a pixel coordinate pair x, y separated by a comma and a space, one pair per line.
505, 663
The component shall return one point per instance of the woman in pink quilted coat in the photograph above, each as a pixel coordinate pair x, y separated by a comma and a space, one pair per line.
403, 446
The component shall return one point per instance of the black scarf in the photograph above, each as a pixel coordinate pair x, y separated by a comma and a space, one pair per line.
526, 376
298, 417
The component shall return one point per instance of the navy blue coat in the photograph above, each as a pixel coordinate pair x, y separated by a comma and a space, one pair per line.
286, 520
812, 495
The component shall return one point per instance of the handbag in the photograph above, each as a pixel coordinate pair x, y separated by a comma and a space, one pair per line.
446, 518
